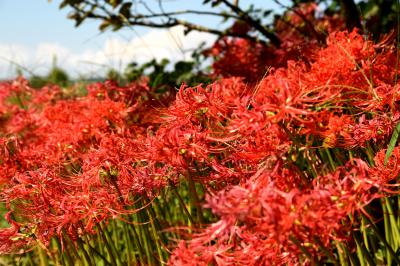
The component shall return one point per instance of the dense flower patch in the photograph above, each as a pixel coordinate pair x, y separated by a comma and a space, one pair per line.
300, 198
295, 163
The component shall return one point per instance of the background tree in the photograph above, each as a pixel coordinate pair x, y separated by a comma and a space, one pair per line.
252, 38
373, 16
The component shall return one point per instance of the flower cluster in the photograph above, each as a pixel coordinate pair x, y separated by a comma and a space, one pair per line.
301, 31
289, 214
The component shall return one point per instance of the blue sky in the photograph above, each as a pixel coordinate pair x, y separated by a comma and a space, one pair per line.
32, 32
35, 21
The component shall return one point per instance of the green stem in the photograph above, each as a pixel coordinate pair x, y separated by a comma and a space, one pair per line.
332, 163
340, 252
145, 235
393, 227
327, 252
155, 236
182, 203
129, 248
195, 199
136, 240
364, 233
88, 259
362, 252
303, 249
351, 257
73, 248
42, 257
102, 232
381, 238
370, 154
106, 262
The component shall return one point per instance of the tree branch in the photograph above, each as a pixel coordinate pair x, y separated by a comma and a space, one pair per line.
118, 17
186, 12
138, 21
256, 24
320, 37
351, 14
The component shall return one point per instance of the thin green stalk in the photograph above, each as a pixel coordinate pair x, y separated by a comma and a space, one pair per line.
60, 257
42, 257
303, 249
327, 252
157, 226
393, 222
29, 260
101, 232
350, 256
114, 231
88, 259
340, 251
394, 230
311, 170
13, 261
106, 262
381, 238
362, 252
112, 246
194, 197
364, 233
144, 232
68, 257
370, 154
20, 103
78, 258
398, 208
129, 250
331, 161
155, 236
387, 233
91, 251
182, 203
297, 144
338, 154
164, 208
392, 143
165, 212
138, 245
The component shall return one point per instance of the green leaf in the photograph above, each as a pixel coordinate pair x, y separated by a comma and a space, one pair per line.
266, 13
215, 3
392, 143
125, 10
77, 17
70, 3
63, 4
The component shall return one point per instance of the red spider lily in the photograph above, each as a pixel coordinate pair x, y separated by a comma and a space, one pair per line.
64, 176
259, 220
70, 163
236, 57
12, 239
373, 130
383, 173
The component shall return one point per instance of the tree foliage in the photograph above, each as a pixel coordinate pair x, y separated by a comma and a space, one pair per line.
373, 16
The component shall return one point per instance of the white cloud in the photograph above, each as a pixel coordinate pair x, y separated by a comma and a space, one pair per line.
12, 55
115, 52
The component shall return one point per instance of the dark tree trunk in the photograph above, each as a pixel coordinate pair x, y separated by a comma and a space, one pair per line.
351, 14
